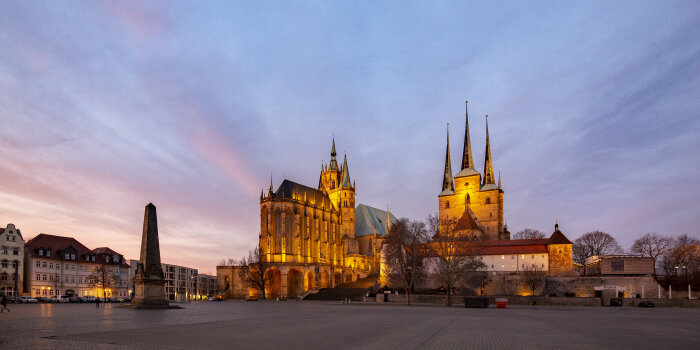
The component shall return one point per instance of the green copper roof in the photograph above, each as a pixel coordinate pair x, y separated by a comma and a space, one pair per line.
367, 218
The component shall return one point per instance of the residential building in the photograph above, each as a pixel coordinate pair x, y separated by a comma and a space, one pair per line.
182, 283
12, 261
206, 285
57, 265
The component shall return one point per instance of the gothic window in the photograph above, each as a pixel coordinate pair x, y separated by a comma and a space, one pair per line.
447, 204
488, 200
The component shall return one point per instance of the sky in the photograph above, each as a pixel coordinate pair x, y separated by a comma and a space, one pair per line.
594, 113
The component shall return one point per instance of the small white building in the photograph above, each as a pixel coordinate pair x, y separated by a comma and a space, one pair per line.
11, 261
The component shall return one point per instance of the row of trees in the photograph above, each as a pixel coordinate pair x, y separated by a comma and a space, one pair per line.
673, 256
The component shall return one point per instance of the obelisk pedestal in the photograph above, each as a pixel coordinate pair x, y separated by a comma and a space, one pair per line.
149, 284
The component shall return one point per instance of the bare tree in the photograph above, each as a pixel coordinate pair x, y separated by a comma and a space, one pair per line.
529, 233
56, 282
457, 255
102, 277
683, 257
404, 252
533, 277
652, 245
227, 262
253, 270
594, 243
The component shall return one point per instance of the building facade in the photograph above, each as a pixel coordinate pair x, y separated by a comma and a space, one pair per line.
182, 284
12, 261
317, 237
56, 265
619, 265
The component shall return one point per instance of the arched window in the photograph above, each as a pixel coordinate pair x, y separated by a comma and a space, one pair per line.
447, 204
488, 200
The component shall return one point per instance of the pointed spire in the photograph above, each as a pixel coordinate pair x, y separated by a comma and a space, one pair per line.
556, 225
334, 163
388, 221
447, 180
346, 173
270, 190
499, 178
467, 159
488, 165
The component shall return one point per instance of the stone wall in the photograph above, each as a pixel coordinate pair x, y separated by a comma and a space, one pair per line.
583, 286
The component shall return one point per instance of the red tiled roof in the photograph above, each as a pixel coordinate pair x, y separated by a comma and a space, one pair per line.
522, 249
104, 250
559, 238
467, 222
54, 243
59, 243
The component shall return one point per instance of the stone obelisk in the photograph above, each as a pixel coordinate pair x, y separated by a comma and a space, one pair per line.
149, 284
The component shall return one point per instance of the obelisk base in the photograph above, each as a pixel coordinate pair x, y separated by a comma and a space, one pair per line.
149, 293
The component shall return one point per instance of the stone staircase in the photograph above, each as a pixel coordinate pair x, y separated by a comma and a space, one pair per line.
353, 290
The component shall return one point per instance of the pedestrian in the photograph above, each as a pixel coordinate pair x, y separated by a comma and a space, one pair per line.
97, 302
4, 304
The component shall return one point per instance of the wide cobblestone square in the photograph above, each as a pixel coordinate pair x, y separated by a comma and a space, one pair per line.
325, 325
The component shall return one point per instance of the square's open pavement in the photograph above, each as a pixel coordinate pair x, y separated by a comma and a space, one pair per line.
326, 325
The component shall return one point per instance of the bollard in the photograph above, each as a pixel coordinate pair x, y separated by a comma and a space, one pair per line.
669, 291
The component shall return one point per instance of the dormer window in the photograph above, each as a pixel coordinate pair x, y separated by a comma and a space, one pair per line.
66, 256
107, 258
93, 258
48, 253
41, 252
72, 256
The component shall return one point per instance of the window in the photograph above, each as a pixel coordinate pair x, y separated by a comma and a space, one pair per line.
4, 250
58, 266
92, 258
67, 256
43, 264
48, 253
14, 264
503, 257
72, 279
488, 200
51, 265
41, 252
38, 277
532, 257
447, 204
72, 256
4, 263
38, 263
617, 265
522, 256
43, 277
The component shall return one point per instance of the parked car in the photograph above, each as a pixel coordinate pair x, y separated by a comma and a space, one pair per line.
59, 299
89, 299
646, 303
119, 300
28, 300
72, 299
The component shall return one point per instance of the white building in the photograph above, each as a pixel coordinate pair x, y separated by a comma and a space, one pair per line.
11, 261
56, 265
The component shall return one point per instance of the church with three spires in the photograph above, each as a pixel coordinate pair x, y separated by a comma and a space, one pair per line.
471, 203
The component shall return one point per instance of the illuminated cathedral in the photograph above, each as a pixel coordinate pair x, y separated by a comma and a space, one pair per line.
315, 237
